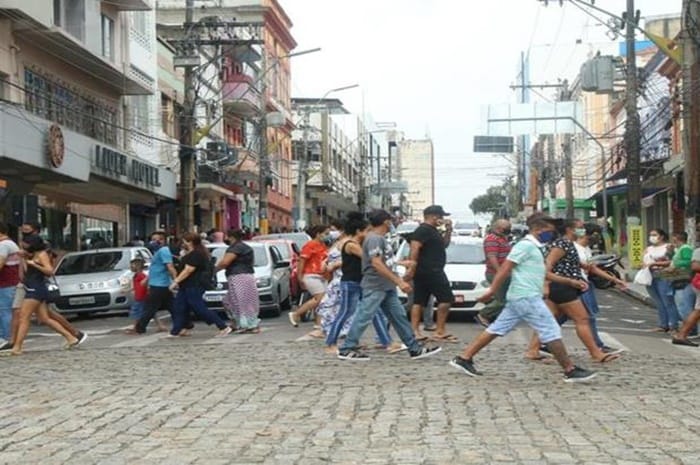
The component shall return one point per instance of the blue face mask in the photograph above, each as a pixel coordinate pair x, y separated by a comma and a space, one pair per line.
392, 229
545, 236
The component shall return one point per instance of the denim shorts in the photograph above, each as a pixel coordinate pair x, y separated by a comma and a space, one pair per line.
136, 310
534, 312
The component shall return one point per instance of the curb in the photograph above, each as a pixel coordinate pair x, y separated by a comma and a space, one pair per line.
640, 296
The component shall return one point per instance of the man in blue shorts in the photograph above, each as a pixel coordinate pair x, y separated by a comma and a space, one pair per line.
526, 267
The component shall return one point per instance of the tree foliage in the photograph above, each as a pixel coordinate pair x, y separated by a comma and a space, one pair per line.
490, 202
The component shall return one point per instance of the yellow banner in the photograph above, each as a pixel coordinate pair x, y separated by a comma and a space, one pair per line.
636, 246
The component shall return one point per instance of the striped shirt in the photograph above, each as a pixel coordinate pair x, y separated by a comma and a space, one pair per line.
495, 246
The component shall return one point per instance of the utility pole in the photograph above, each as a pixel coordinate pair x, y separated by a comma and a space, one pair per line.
568, 176
632, 131
187, 153
552, 170
302, 167
691, 117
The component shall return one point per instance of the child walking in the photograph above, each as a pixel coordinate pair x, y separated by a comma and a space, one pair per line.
140, 287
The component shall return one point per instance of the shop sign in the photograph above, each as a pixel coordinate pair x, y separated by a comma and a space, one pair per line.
56, 148
636, 249
117, 165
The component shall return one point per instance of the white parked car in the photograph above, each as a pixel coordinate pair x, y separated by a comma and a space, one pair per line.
271, 273
466, 264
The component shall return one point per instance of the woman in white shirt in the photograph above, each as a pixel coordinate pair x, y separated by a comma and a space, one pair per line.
657, 257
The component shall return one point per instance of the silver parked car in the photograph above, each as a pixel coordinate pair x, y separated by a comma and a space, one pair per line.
271, 273
97, 280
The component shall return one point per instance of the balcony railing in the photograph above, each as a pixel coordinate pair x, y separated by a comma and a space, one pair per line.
241, 96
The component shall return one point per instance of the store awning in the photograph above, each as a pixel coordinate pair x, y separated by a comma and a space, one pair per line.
620, 190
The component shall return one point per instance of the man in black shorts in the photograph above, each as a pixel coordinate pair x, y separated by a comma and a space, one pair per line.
428, 246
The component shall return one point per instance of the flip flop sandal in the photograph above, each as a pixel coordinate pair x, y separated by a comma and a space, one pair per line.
422, 338
540, 358
609, 358
445, 338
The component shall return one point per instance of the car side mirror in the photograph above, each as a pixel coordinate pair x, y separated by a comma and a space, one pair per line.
282, 264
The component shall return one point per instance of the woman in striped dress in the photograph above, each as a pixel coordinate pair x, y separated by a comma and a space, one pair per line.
242, 301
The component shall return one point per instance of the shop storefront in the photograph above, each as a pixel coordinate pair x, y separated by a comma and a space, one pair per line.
83, 193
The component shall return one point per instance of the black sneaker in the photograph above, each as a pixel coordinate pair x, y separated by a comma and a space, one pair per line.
684, 342
354, 355
424, 352
579, 375
82, 337
467, 366
5, 347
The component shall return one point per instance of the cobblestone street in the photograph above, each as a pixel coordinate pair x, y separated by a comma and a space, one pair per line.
245, 400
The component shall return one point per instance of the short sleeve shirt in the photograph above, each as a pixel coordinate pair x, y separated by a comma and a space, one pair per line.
497, 246
683, 257
140, 291
569, 266
198, 260
376, 245
696, 255
314, 254
245, 258
158, 274
9, 274
432, 255
527, 278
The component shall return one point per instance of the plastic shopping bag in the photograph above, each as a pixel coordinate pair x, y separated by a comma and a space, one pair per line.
643, 277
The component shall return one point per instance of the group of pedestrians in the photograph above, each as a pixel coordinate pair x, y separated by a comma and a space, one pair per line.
670, 266
26, 271
349, 271
180, 289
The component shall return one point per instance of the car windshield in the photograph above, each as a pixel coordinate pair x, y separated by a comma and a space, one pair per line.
259, 253
459, 225
465, 254
98, 262
299, 238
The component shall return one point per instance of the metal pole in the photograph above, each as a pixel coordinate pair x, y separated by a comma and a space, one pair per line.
691, 170
264, 159
302, 172
188, 156
632, 136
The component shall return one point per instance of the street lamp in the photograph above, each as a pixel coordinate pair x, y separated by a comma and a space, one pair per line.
303, 158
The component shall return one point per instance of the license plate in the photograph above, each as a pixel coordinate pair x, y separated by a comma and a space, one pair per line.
213, 298
81, 300
459, 299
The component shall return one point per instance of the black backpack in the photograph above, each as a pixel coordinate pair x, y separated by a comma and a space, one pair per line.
207, 276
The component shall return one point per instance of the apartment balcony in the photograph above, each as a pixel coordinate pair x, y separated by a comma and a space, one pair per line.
116, 77
240, 95
132, 5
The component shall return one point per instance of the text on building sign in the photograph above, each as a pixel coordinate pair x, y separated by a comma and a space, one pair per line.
117, 164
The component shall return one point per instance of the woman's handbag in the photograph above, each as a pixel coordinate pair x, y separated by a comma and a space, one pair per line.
54, 291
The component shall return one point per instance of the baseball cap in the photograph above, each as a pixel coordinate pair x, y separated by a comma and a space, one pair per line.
435, 210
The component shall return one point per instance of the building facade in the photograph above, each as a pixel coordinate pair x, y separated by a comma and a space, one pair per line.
417, 169
65, 155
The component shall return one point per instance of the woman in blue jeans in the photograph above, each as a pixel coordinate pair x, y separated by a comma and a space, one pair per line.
189, 285
657, 257
350, 289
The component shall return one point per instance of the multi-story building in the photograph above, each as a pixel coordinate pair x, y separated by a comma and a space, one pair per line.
417, 170
68, 153
333, 157
253, 82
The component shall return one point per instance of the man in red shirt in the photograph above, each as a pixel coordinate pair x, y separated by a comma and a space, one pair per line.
496, 248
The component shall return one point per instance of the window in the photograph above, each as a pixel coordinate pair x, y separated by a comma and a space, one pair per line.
108, 37
65, 105
70, 15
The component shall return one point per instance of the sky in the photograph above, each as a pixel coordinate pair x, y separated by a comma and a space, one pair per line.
431, 65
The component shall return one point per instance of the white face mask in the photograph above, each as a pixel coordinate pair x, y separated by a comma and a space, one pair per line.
653, 240
334, 234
